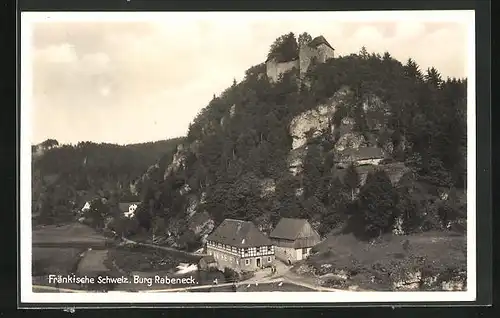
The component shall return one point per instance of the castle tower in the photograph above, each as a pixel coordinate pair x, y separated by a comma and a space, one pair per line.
318, 49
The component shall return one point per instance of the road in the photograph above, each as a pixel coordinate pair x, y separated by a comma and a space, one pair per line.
165, 248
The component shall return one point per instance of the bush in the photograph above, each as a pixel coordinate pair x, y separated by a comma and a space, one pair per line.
231, 275
335, 283
244, 275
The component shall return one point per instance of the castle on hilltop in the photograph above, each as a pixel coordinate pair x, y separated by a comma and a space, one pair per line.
318, 50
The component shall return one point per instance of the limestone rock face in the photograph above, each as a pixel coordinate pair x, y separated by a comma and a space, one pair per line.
192, 205
232, 110
376, 112
185, 189
178, 161
350, 140
296, 159
145, 177
267, 187
201, 224
316, 121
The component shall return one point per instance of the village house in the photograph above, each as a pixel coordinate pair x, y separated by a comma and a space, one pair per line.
240, 246
128, 208
318, 50
360, 156
87, 200
293, 239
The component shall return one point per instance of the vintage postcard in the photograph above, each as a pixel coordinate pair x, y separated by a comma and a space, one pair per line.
323, 157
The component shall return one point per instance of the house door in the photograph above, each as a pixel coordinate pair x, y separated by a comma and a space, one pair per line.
258, 261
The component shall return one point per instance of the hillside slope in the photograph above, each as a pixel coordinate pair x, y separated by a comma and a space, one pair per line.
65, 176
262, 151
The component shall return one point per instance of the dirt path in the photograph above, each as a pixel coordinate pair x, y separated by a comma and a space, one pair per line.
210, 286
284, 274
165, 248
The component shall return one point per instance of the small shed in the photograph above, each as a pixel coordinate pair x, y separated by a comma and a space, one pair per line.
207, 262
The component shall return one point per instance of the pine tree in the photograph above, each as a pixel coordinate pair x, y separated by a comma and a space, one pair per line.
363, 52
412, 70
433, 77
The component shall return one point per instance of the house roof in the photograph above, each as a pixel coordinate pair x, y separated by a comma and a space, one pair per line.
317, 41
297, 230
238, 233
123, 206
363, 153
292, 229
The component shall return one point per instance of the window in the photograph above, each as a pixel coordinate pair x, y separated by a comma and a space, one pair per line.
247, 261
245, 251
269, 258
269, 248
304, 251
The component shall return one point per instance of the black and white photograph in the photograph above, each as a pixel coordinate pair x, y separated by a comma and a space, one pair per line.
318, 156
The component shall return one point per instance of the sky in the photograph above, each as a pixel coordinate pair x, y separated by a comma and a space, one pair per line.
107, 79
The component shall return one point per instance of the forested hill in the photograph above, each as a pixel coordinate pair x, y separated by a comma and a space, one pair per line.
65, 176
260, 151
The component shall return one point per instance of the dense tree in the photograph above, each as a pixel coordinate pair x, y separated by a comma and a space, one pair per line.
352, 180
377, 204
49, 143
336, 205
313, 170
410, 211
285, 48
304, 39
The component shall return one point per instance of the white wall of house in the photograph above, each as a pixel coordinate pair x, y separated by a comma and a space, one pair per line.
131, 210
298, 252
293, 254
306, 252
238, 259
86, 206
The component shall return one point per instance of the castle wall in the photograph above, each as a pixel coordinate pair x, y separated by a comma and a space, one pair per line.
305, 54
274, 69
